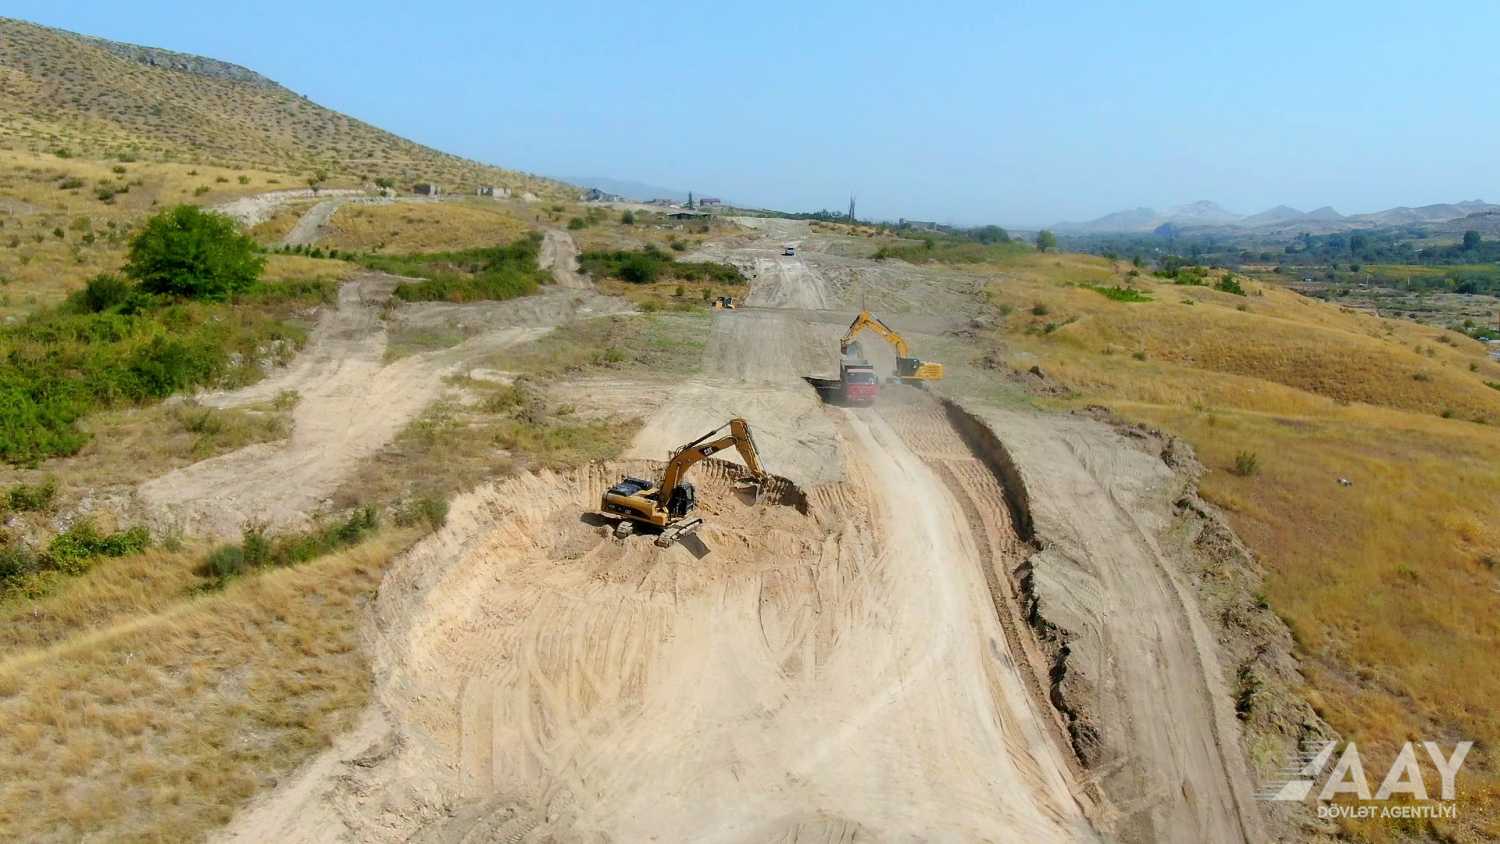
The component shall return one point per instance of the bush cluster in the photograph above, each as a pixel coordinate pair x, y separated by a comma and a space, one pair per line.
71, 552
258, 550
650, 264
500, 272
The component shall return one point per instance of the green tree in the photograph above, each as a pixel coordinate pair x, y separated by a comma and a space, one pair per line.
1471, 240
186, 251
1046, 240
628, 218
991, 234
316, 180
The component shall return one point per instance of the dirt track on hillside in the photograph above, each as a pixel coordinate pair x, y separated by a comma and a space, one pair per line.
350, 402
851, 657
560, 256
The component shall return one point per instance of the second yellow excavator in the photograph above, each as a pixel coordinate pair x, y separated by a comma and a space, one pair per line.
908, 368
667, 503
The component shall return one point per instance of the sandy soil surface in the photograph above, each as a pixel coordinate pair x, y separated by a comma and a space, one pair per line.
311, 225
1142, 657
560, 255
253, 210
350, 403
853, 656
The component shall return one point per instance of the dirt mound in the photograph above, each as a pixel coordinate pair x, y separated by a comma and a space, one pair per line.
814, 674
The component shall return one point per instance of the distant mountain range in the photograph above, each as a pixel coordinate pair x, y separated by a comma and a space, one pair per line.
1281, 219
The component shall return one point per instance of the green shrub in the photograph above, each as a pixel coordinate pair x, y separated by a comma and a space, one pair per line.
577, 223
1229, 284
102, 292
1121, 294
194, 254
428, 511
500, 272
70, 183
651, 264
259, 550
627, 218
74, 550
1246, 463
31, 497
224, 563
62, 364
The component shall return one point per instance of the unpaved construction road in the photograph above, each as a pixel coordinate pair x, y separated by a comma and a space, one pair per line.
349, 403
847, 658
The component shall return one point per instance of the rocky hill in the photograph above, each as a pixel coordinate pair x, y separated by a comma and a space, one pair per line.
97, 98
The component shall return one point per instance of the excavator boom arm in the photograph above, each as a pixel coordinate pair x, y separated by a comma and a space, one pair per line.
683, 459
866, 320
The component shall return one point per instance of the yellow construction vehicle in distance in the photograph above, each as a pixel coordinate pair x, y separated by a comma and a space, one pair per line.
908, 368
666, 503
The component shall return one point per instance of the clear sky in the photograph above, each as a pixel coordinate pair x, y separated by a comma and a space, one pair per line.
1017, 113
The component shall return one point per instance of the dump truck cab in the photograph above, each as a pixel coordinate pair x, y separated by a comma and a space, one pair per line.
858, 383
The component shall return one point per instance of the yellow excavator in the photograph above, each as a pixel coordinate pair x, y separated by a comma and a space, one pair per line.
667, 503
908, 368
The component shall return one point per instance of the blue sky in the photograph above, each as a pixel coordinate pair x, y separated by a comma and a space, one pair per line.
1015, 113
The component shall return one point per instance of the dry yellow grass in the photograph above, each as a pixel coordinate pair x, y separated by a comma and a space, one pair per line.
1389, 584
56, 233
97, 99
423, 227
132, 710
303, 268
130, 445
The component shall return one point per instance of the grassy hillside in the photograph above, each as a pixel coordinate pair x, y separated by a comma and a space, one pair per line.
1388, 583
100, 99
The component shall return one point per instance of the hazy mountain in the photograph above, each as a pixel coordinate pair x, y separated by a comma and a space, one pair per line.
1201, 213
1206, 214
1326, 214
1426, 213
1135, 220
638, 191
1273, 216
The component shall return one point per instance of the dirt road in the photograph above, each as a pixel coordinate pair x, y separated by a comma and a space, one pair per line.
832, 674
560, 255
847, 658
252, 210
1136, 637
350, 402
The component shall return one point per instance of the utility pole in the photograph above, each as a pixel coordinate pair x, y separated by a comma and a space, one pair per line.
851, 209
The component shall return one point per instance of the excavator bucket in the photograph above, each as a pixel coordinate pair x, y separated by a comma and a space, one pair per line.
679, 531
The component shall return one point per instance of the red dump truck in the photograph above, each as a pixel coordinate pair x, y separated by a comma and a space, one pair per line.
856, 385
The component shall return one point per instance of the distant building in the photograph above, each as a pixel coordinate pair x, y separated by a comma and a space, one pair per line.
662, 203
426, 189
687, 215
596, 195
709, 200
490, 190
923, 225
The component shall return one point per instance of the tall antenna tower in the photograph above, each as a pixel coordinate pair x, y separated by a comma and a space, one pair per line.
851, 208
